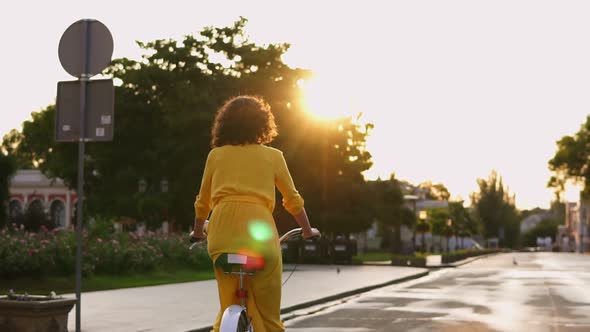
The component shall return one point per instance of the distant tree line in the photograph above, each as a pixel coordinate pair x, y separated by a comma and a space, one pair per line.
165, 104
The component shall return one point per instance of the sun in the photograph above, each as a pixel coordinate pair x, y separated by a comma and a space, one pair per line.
326, 98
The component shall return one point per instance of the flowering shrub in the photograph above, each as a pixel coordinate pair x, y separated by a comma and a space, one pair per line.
53, 253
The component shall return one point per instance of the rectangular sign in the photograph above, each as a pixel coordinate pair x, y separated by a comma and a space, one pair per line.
100, 105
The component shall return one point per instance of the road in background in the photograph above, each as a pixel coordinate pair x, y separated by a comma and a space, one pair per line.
508, 292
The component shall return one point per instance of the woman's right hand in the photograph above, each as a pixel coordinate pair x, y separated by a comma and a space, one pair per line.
313, 233
198, 235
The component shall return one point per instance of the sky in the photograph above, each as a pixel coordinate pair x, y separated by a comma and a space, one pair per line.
454, 88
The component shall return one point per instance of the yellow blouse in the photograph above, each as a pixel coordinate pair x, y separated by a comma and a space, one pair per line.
246, 173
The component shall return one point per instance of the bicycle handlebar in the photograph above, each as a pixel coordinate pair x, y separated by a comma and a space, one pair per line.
196, 241
296, 233
292, 234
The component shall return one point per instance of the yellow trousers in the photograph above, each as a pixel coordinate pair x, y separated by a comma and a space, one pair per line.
249, 229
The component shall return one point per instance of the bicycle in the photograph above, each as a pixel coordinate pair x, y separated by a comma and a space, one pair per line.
235, 317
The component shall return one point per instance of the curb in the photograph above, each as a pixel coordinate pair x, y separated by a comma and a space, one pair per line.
335, 297
461, 262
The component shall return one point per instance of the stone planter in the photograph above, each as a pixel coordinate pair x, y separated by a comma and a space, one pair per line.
36, 314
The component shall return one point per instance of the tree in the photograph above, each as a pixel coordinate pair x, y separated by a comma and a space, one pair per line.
35, 217
10, 146
438, 219
7, 169
165, 105
390, 210
545, 228
571, 161
422, 227
496, 209
526, 213
436, 191
463, 223
558, 210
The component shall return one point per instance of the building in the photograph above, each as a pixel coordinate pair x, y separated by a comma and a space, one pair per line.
575, 235
31, 189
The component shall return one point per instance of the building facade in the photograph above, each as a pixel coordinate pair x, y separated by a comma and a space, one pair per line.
31, 189
575, 236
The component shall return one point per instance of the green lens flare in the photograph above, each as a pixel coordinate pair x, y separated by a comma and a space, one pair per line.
259, 230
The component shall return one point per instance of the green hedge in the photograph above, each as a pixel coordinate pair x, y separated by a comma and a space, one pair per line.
417, 260
52, 253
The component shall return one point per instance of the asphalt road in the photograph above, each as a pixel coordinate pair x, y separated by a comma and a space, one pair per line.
508, 292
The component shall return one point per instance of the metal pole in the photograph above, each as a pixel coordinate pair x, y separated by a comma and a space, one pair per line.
83, 81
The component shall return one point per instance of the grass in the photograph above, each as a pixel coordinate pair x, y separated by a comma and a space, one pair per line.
64, 285
377, 256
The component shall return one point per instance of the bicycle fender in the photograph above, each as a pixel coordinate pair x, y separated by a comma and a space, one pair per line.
230, 318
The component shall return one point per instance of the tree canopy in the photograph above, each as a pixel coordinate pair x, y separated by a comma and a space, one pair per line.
571, 161
7, 169
436, 191
463, 223
164, 107
545, 228
495, 207
388, 202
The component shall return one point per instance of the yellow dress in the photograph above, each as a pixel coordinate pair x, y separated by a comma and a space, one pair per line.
238, 186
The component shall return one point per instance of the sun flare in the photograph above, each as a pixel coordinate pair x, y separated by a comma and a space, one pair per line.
326, 98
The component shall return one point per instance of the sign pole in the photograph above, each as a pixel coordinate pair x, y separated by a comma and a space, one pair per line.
79, 219
75, 47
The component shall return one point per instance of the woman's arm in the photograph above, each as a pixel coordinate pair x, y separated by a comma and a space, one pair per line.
303, 222
292, 200
203, 200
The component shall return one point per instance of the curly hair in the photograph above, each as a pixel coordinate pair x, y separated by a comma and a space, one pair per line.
243, 120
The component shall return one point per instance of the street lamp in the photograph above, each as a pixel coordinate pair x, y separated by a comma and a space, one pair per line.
422, 215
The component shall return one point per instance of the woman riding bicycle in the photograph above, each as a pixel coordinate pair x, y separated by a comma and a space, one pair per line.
238, 186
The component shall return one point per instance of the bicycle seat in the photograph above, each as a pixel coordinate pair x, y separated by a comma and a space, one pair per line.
231, 262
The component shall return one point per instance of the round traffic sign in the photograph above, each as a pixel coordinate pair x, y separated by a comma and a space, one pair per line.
85, 48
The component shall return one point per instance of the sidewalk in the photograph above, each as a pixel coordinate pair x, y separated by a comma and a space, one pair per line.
193, 306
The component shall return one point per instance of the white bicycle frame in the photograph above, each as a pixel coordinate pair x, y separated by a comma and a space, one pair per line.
233, 313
